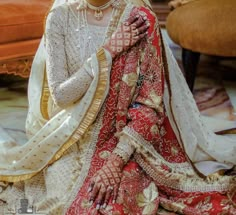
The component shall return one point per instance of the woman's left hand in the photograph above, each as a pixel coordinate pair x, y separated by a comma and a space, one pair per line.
105, 183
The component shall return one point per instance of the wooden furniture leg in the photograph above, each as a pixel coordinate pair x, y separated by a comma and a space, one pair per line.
190, 61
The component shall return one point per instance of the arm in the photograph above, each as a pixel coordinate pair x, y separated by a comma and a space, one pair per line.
65, 89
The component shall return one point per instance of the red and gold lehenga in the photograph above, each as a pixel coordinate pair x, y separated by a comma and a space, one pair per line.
164, 175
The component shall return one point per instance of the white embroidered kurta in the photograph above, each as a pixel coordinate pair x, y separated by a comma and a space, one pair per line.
69, 45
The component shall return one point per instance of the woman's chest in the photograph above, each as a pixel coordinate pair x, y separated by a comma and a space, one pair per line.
81, 41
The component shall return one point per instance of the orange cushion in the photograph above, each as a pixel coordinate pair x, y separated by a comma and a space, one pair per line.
205, 26
18, 49
22, 19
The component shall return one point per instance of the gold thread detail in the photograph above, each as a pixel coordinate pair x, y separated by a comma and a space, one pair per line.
44, 98
94, 107
86, 122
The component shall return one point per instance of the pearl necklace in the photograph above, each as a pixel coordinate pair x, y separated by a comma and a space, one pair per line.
98, 11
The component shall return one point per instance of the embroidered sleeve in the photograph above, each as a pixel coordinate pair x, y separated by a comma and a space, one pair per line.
65, 89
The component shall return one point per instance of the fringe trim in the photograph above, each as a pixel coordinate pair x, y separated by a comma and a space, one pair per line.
181, 181
142, 144
177, 176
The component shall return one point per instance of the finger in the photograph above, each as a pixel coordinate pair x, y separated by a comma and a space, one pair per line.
107, 196
139, 22
143, 35
94, 192
143, 29
135, 32
135, 38
115, 194
131, 20
91, 185
100, 197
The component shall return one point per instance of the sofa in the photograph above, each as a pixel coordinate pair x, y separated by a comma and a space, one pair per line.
21, 27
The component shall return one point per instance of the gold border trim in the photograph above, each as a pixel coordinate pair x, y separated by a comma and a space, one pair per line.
45, 97
86, 122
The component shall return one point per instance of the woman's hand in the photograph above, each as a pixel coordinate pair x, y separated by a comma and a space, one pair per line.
127, 34
105, 183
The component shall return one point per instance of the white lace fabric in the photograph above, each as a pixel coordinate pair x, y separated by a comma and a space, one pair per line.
69, 46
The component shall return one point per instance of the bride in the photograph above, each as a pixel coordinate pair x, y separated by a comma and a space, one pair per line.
112, 126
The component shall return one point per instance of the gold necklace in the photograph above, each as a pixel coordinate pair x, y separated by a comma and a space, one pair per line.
98, 11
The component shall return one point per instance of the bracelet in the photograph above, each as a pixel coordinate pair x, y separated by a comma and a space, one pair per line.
124, 148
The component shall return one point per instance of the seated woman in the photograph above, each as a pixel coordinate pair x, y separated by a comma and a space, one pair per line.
112, 126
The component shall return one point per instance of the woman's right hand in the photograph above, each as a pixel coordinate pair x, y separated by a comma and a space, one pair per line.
127, 34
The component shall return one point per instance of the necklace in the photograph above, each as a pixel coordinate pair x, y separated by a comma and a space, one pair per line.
89, 39
98, 11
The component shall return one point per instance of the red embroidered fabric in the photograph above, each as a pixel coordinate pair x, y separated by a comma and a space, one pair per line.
135, 100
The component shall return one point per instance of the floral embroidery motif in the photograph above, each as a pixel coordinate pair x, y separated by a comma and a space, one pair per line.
146, 199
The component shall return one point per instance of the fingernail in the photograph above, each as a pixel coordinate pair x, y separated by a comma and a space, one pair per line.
89, 189
113, 201
104, 205
98, 207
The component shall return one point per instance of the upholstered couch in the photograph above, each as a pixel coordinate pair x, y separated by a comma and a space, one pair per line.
203, 27
21, 27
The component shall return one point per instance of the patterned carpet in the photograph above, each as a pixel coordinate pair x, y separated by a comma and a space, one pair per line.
215, 94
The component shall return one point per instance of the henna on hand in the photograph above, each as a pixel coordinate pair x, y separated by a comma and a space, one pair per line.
127, 35
105, 183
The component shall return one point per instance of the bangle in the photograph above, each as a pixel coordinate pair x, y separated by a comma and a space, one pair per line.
124, 149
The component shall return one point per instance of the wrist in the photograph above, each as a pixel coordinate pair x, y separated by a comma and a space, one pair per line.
124, 148
116, 160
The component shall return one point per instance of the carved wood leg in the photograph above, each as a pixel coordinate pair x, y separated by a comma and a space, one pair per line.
190, 61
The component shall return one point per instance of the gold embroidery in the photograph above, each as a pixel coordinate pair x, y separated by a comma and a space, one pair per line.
94, 107
154, 130
147, 199
86, 122
44, 98
104, 154
157, 100
130, 79
174, 150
